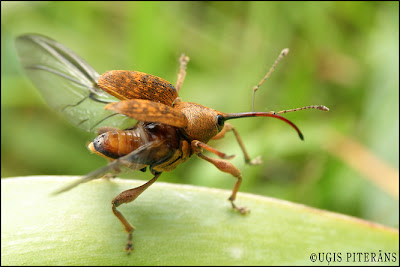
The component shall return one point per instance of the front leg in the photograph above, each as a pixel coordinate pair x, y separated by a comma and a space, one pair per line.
228, 127
197, 146
225, 166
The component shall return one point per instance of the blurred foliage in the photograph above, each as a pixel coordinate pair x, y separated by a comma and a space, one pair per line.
342, 54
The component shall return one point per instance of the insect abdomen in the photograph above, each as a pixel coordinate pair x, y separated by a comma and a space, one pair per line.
117, 143
169, 150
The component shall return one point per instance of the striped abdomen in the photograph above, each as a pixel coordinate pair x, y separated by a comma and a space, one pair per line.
169, 150
117, 143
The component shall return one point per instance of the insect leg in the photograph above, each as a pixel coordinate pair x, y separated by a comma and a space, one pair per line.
228, 127
197, 145
182, 71
226, 166
126, 197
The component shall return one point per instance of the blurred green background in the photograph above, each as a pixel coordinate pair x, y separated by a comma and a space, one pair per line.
344, 55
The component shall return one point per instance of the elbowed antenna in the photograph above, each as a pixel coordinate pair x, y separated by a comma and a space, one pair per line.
283, 53
320, 107
274, 114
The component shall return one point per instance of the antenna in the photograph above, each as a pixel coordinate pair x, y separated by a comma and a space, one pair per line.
320, 107
281, 55
183, 60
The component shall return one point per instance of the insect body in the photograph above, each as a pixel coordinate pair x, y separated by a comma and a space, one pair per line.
168, 131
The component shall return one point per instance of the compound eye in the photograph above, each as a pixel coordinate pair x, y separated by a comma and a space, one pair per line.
220, 121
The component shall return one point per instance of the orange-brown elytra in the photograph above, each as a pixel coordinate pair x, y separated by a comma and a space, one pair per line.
168, 131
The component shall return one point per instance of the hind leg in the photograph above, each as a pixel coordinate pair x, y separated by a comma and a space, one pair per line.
126, 197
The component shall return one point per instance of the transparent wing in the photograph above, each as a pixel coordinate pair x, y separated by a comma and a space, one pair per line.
135, 160
67, 83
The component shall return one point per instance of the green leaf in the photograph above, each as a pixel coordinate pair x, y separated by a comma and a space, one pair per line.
177, 225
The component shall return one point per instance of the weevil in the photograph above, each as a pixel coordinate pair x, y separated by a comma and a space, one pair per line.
168, 130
